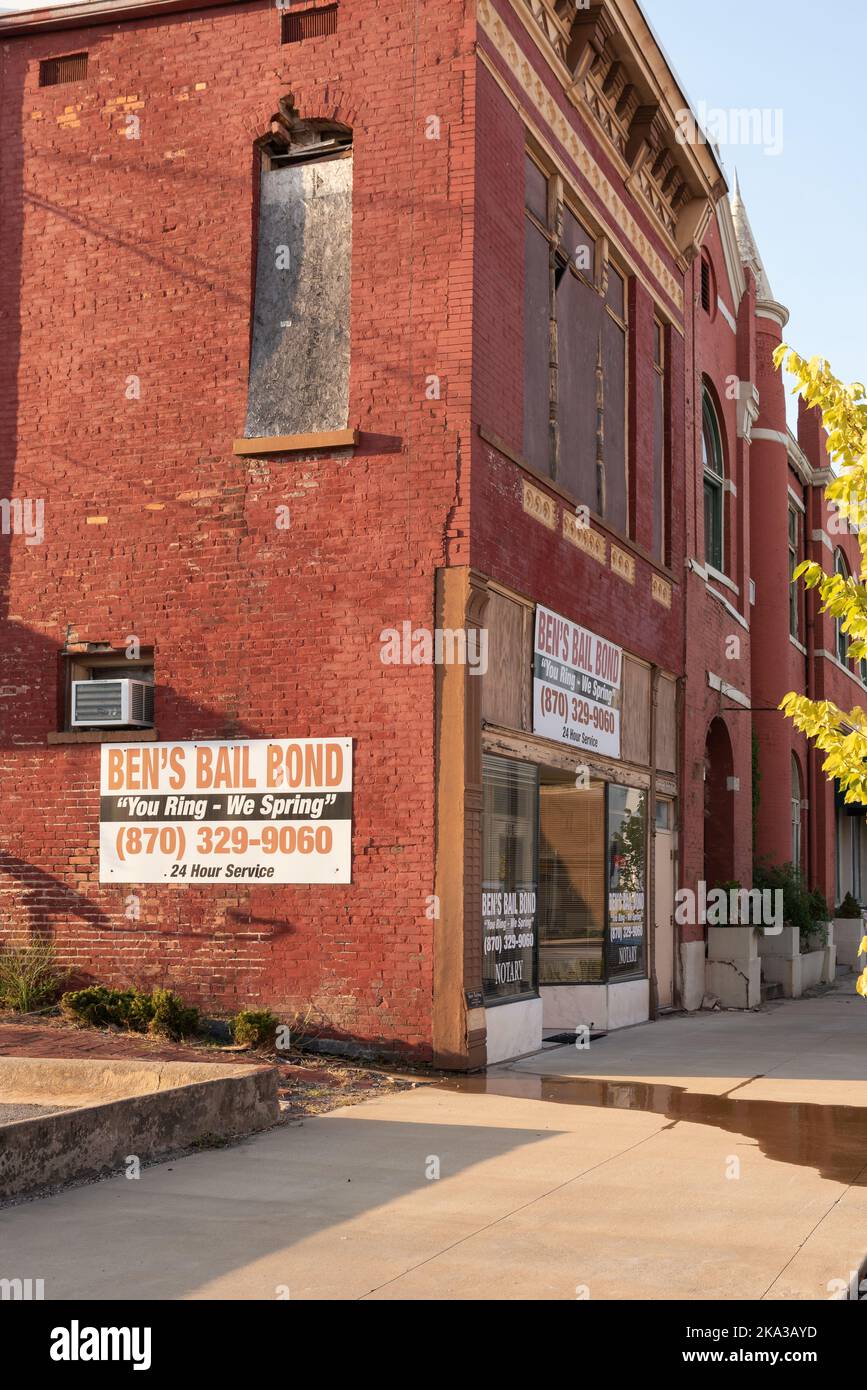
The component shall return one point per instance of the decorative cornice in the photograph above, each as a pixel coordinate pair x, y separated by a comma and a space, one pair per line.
524, 74
600, 73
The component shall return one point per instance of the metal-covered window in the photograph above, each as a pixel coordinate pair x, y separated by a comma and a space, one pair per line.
714, 484
575, 352
309, 24
300, 351
660, 489
72, 67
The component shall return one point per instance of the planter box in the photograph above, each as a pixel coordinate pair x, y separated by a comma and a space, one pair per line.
848, 932
785, 964
734, 970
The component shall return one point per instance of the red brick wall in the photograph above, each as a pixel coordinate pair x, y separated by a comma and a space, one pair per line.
136, 257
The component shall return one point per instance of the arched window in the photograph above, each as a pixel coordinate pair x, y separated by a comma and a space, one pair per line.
796, 813
712, 464
841, 640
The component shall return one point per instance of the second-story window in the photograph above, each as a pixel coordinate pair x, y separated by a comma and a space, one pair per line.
794, 561
841, 639
299, 354
714, 489
575, 334
660, 519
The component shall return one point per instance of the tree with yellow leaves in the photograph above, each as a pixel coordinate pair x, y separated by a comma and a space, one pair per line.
841, 734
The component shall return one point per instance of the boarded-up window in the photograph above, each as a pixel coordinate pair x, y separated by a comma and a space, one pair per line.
660, 519
615, 508
537, 323
574, 356
299, 362
579, 327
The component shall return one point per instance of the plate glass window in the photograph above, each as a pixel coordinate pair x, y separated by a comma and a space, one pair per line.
509, 888
627, 873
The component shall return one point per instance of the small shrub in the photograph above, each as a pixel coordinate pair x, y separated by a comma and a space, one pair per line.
255, 1027
171, 1017
849, 907
802, 907
161, 1013
29, 976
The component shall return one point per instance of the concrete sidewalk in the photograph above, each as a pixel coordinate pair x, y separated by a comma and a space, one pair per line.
714, 1157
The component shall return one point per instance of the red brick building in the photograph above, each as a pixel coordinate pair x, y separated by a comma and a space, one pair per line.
374, 373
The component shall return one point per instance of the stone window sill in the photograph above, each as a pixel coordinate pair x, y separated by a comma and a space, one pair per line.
297, 443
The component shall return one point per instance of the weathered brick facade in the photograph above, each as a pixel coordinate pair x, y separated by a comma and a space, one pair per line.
130, 229
134, 257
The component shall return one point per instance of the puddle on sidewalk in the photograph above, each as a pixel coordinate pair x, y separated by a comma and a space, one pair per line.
830, 1139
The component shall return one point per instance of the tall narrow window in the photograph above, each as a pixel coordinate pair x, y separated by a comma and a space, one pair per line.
841, 639
627, 868
660, 517
712, 465
579, 364
575, 330
537, 321
794, 561
510, 812
796, 813
611, 452
299, 359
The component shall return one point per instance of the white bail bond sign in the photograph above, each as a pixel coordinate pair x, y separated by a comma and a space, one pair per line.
576, 685
270, 810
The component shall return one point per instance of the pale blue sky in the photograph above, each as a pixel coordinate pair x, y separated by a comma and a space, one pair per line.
808, 204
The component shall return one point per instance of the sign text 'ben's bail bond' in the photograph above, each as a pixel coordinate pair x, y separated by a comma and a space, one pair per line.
273, 809
576, 685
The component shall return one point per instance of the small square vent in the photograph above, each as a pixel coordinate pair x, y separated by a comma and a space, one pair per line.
71, 68
309, 24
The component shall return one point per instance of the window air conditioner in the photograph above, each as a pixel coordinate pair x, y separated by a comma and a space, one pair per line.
112, 702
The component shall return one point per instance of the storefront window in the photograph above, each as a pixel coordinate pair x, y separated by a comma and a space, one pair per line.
627, 858
509, 881
571, 881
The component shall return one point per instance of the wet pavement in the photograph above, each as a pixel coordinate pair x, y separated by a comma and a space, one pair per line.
831, 1139
708, 1157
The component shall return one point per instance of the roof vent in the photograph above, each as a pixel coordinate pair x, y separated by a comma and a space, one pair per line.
71, 68
309, 24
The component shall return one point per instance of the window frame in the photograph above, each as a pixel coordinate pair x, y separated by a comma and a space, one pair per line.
713, 478
794, 551
660, 369
841, 639
78, 666
797, 845
563, 262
